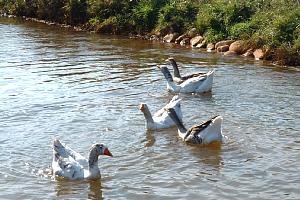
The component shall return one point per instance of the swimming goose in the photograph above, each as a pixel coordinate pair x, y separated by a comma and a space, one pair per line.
204, 133
176, 75
161, 118
198, 84
71, 165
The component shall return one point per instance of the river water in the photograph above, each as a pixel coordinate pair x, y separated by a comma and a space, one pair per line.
84, 88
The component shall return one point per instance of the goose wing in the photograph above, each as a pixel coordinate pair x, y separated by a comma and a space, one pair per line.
174, 103
192, 84
186, 77
66, 152
66, 167
193, 133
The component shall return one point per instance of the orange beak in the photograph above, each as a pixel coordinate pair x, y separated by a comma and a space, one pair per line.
107, 152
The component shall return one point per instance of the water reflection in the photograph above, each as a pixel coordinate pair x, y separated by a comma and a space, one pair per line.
150, 139
66, 188
95, 189
208, 154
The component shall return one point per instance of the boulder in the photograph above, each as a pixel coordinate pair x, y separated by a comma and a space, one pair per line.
202, 44
223, 48
223, 43
248, 53
192, 33
237, 47
259, 54
185, 41
230, 53
170, 37
180, 38
154, 38
210, 47
196, 40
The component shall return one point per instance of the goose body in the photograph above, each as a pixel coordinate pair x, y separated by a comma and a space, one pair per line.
177, 76
71, 165
198, 84
203, 133
161, 118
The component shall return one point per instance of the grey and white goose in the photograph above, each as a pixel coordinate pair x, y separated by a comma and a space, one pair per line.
198, 84
71, 165
176, 74
204, 133
161, 118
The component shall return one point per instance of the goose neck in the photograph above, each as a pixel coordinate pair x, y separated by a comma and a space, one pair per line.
148, 115
93, 158
175, 68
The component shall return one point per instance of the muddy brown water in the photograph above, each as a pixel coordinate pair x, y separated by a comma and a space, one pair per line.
85, 88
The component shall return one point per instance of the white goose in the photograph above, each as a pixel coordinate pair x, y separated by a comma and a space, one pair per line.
198, 84
176, 75
161, 118
71, 165
204, 133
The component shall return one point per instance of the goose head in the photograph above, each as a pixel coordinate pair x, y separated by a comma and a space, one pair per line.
176, 72
101, 149
171, 60
147, 114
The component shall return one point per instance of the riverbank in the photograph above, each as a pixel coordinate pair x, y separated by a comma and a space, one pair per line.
193, 40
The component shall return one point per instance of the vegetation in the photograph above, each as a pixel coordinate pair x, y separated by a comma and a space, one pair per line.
272, 24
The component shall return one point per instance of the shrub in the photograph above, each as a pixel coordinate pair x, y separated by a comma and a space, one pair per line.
177, 16
220, 16
75, 11
144, 16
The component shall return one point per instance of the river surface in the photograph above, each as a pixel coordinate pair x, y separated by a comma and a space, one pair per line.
84, 88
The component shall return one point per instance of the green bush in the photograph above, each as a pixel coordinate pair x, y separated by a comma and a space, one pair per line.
75, 12
144, 16
220, 16
177, 16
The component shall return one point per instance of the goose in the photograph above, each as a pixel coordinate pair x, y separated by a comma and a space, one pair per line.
161, 119
198, 84
204, 133
71, 165
176, 75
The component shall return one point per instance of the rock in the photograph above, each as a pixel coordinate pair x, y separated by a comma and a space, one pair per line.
192, 33
196, 40
210, 47
154, 38
230, 53
223, 43
170, 37
185, 41
201, 45
249, 53
223, 48
259, 54
237, 47
180, 38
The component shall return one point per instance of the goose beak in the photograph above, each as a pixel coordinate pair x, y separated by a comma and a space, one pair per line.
142, 106
107, 152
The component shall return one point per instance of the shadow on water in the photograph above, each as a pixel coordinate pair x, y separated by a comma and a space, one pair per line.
65, 188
